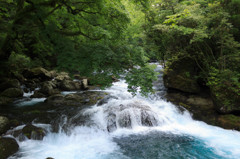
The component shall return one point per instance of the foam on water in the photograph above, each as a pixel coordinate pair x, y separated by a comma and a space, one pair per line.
95, 142
30, 102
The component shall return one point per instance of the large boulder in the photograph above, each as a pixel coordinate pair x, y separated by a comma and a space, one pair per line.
4, 124
76, 99
9, 83
12, 93
180, 75
69, 85
8, 146
39, 73
33, 132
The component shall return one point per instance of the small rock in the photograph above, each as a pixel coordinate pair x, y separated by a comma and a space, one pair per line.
8, 146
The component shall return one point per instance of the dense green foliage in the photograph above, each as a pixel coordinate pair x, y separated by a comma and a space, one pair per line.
98, 39
206, 31
105, 38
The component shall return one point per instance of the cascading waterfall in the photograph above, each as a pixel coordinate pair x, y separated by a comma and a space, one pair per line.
133, 127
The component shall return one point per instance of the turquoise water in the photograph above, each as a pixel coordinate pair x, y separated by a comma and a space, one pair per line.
160, 145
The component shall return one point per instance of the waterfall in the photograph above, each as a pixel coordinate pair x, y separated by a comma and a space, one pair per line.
125, 127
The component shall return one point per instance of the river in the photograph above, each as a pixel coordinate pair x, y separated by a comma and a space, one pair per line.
136, 127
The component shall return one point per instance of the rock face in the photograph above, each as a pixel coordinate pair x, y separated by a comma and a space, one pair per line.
33, 132
4, 124
12, 93
39, 73
8, 146
76, 99
180, 75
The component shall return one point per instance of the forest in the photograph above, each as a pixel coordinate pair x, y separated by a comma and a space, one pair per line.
103, 38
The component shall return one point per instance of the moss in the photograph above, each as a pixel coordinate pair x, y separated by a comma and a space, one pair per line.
185, 105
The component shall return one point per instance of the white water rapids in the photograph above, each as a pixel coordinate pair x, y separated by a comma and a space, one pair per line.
125, 116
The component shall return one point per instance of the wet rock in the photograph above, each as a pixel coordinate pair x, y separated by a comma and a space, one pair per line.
37, 94
8, 146
106, 99
148, 119
5, 100
180, 75
76, 99
12, 93
111, 123
33, 132
4, 124
69, 85
125, 121
39, 73
9, 83
126, 116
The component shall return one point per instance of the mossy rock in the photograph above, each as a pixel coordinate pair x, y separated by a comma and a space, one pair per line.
33, 132
12, 93
8, 146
